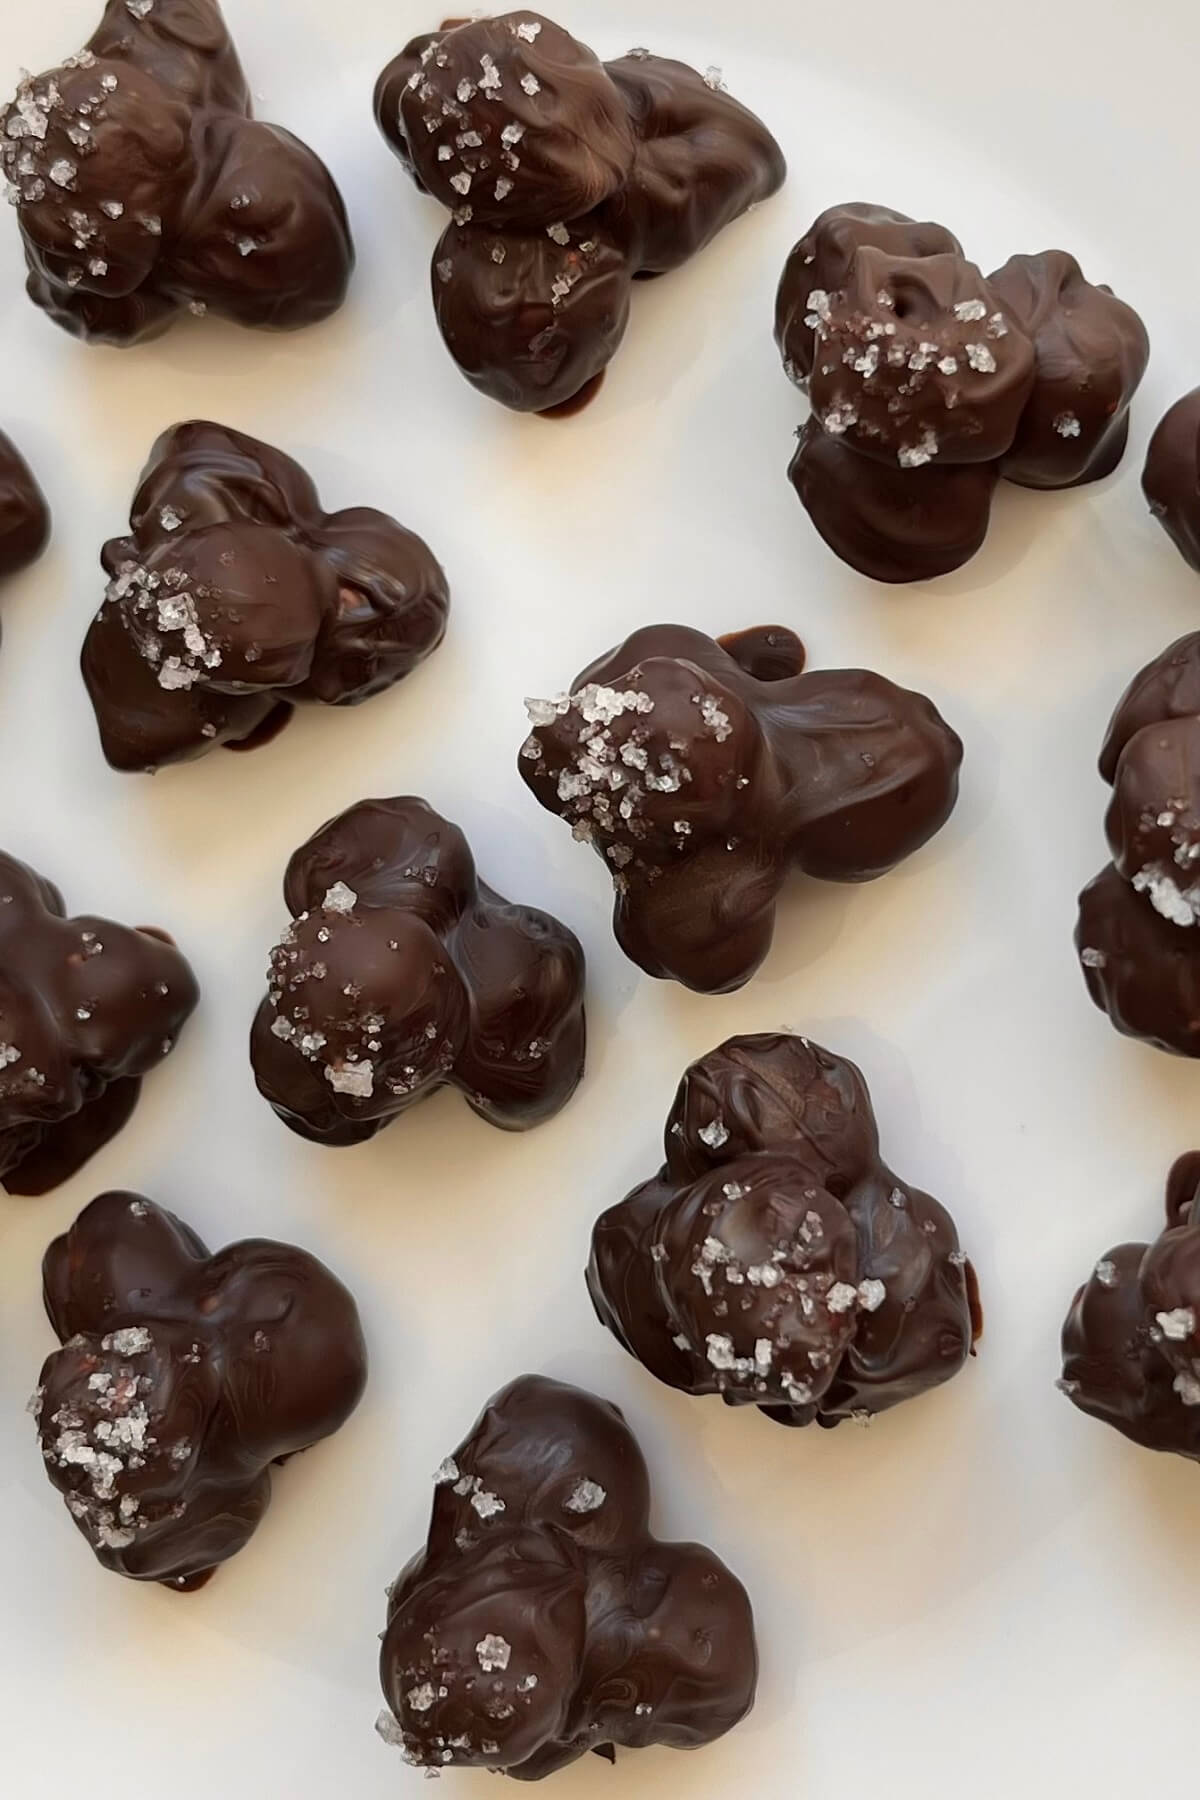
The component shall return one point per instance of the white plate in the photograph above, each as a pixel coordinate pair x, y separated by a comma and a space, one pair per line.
982, 1594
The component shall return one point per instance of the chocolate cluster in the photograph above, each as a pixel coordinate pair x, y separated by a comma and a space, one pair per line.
401, 973
542, 1620
1138, 935
703, 771
143, 184
87, 1008
930, 382
24, 515
235, 597
1131, 1343
567, 179
181, 1379
1171, 480
775, 1259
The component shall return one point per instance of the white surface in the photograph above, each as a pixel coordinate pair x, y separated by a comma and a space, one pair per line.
984, 1593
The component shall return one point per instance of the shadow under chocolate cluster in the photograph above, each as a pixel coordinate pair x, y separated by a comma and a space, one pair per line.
143, 184
567, 178
87, 1008
930, 382
182, 1377
542, 1620
402, 973
703, 771
775, 1259
236, 597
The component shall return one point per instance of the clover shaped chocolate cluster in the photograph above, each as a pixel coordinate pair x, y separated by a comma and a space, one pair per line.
567, 178
542, 1620
181, 1379
401, 973
703, 771
87, 1008
142, 184
235, 597
930, 382
775, 1259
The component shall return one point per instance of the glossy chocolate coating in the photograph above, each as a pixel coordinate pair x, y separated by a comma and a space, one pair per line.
182, 1378
1171, 480
235, 596
542, 1620
143, 184
24, 515
1091, 351
1131, 1355
402, 973
703, 774
1137, 935
775, 1259
87, 1008
567, 178
889, 523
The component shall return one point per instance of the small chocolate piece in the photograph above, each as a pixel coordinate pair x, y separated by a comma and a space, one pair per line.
1131, 1354
87, 1008
775, 1259
702, 773
402, 973
1091, 352
182, 1378
542, 1620
235, 596
567, 178
143, 184
1137, 932
1171, 481
24, 515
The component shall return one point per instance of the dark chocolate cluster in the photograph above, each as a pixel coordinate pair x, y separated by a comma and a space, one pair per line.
143, 184
181, 1379
567, 178
1131, 1342
402, 973
775, 1259
24, 515
235, 597
930, 382
702, 772
87, 1008
1171, 481
542, 1620
1138, 935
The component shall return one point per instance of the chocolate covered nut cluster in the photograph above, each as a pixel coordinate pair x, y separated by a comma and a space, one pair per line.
930, 382
542, 1620
235, 597
402, 972
703, 772
24, 515
1171, 479
1130, 1345
775, 1259
143, 184
181, 1379
567, 178
1137, 935
87, 1008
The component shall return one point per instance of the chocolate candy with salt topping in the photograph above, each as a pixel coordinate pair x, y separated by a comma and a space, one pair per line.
702, 772
402, 973
87, 1008
1091, 351
24, 515
143, 185
775, 1259
235, 597
1131, 1351
1171, 480
542, 1620
182, 1378
567, 178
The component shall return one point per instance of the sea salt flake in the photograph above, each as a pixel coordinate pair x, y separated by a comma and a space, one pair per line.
493, 1653
512, 134
585, 1497
531, 85
461, 183
356, 1079
841, 1297
871, 1295
1188, 1388
445, 269
420, 1699
62, 172
1177, 1325
130, 1340
487, 1505
981, 359
1092, 959
714, 1134
339, 899
720, 1351
1106, 1273
970, 310
504, 188
528, 30
1067, 425
558, 234
714, 78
